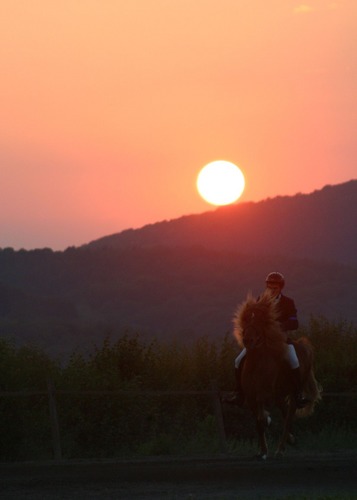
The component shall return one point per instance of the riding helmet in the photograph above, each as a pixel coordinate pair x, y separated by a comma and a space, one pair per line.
275, 277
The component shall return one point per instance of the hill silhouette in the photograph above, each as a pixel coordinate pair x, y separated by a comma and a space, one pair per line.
184, 278
321, 225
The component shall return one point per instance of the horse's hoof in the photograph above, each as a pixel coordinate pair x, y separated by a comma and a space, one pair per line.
279, 454
261, 457
291, 439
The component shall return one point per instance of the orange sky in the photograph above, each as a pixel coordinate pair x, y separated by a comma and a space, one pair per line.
110, 108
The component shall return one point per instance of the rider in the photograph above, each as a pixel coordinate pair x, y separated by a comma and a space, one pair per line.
288, 320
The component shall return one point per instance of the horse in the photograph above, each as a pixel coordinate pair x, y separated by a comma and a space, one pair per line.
266, 375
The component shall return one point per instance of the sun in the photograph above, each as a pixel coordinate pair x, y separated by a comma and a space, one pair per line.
220, 182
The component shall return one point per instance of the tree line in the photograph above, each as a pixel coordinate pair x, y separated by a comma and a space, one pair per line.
61, 300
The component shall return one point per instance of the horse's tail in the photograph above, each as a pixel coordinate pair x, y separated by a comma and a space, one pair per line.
312, 388
313, 392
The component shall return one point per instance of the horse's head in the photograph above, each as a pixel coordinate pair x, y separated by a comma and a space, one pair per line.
255, 323
252, 334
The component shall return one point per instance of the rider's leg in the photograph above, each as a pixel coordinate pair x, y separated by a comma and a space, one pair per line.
237, 398
296, 376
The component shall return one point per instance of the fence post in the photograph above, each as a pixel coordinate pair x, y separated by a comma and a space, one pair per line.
219, 417
56, 440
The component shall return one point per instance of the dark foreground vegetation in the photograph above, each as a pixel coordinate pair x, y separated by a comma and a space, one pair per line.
143, 420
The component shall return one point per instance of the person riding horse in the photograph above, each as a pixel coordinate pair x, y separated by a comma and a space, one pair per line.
287, 318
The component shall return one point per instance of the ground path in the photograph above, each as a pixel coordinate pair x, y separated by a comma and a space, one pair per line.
314, 476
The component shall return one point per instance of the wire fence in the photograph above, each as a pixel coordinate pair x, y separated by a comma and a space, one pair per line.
52, 394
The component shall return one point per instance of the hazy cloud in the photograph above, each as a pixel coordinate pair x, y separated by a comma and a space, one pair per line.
305, 8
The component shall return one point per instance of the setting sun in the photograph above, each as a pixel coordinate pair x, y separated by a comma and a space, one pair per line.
220, 182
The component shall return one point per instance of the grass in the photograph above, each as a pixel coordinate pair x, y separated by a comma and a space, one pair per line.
339, 496
205, 441
329, 439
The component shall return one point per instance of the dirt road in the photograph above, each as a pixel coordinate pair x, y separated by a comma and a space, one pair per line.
223, 478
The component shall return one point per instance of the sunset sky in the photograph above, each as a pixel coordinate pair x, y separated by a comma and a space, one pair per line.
109, 108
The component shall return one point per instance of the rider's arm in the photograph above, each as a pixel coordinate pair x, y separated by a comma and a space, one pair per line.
289, 317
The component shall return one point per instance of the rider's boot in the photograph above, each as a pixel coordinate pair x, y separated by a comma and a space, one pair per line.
237, 397
300, 400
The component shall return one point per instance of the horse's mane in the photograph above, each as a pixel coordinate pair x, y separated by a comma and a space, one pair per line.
265, 313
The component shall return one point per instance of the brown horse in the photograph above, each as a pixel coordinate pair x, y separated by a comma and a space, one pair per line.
266, 379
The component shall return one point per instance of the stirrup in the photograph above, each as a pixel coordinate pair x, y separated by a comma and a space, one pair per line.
301, 401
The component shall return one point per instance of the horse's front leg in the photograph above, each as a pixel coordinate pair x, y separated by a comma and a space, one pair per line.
263, 420
286, 434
